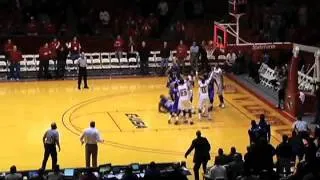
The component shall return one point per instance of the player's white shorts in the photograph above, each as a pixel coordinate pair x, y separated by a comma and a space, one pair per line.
184, 105
204, 102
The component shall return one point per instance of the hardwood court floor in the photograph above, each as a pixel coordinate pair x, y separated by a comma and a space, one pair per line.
28, 108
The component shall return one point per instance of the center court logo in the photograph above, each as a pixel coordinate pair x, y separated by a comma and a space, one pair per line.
136, 120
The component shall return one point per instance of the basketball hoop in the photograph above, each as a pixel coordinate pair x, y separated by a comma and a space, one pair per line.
237, 8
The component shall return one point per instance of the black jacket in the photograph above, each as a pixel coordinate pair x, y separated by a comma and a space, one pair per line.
202, 149
144, 54
62, 55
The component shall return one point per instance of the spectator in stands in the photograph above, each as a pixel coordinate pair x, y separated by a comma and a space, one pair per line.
39, 176
8, 46
218, 171
263, 153
230, 60
233, 154
248, 161
301, 127
152, 173
180, 30
299, 173
131, 47
254, 132
317, 116
236, 167
194, 56
239, 64
32, 27
75, 48
54, 46
282, 79
176, 174
62, 55
88, 175
128, 175
104, 17
310, 151
203, 57
153, 22
301, 100
15, 58
56, 174
297, 146
201, 154
163, 9
254, 65
48, 27
144, 54
118, 46
13, 175
181, 55
314, 174
265, 128
284, 155
164, 54
44, 57
222, 158
146, 30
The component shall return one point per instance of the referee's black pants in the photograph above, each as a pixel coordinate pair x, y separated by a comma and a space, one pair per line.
82, 74
91, 150
49, 149
196, 168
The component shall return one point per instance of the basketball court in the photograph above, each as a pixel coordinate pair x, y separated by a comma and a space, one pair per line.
125, 111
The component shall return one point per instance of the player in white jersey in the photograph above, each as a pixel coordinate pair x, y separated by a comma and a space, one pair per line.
218, 76
184, 104
204, 102
191, 83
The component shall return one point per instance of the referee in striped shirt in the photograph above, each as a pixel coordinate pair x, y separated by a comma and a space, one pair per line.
82, 74
91, 137
50, 141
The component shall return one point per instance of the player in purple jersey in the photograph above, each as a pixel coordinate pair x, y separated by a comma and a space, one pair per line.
167, 106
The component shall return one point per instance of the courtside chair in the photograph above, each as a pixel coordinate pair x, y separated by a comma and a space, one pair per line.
29, 63
89, 60
3, 64
105, 60
96, 60
124, 63
115, 63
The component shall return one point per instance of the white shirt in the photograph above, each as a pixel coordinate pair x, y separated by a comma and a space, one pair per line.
13, 176
91, 136
203, 87
302, 97
218, 172
82, 61
300, 126
51, 136
183, 92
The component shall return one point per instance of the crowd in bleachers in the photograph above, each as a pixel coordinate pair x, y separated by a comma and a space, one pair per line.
108, 18
297, 156
288, 20
152, 171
